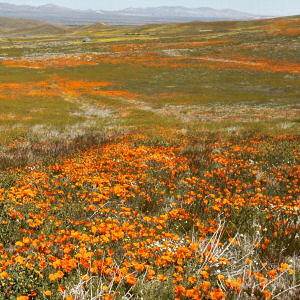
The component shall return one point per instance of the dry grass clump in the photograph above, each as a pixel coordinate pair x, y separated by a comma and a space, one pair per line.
44, 145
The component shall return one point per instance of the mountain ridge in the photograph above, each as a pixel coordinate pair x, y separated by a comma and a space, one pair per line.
129, 16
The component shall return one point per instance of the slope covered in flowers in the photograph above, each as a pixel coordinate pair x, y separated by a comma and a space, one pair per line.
202, 219
152, 162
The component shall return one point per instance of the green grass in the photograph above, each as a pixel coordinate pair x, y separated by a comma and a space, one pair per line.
191, 83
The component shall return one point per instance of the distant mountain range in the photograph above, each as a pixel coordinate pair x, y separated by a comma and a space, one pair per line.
129, 16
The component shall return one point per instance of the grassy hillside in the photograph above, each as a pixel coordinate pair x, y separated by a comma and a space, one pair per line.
152, 162
9, 26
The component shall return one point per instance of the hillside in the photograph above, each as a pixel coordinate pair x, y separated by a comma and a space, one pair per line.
94, 27
200, 28
150, 162
11, 26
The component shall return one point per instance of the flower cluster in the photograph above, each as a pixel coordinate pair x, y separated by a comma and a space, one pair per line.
130, 216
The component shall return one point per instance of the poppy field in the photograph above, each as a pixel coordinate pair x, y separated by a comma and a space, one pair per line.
151, 162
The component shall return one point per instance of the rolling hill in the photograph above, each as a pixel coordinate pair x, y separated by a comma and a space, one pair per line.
12, 26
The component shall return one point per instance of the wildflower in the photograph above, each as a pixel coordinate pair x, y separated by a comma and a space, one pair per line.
4, 274
217, 294
85, 277
248, 261
19, 244
285, 266
131, 279
267, 294
221, 277
161, 277
48, 293
192, 279
204, 274
52, 277
179, 289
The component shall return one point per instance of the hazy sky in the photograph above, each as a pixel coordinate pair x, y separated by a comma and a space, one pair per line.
266, 7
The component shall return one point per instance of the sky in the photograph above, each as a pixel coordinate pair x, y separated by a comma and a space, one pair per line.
263, 7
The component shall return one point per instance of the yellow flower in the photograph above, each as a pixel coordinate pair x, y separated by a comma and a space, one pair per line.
48, 293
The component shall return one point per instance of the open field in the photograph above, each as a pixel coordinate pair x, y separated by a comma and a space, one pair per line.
151, 162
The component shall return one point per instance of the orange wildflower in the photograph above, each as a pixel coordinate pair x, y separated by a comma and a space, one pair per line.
161, 277
48, 293
131, 279
204, 274
179, 290
267, 294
